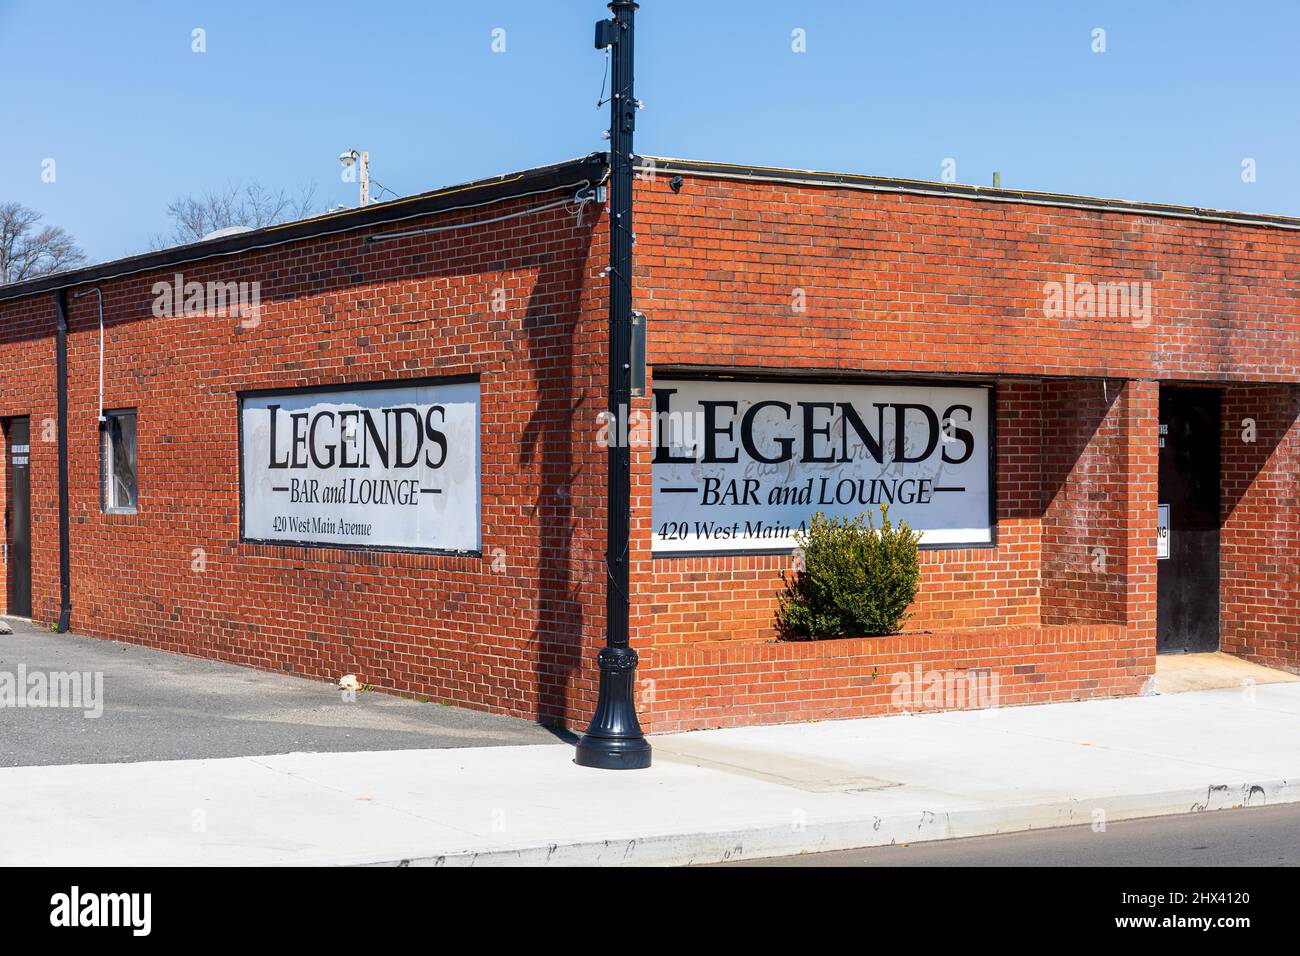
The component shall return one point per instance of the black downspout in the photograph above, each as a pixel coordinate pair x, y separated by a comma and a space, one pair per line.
65, 544
614, 740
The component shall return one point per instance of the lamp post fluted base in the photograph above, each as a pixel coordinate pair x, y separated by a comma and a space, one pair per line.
614, 740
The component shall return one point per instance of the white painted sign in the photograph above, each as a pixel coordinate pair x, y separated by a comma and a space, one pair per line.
387, 467
1162, 530
742, 465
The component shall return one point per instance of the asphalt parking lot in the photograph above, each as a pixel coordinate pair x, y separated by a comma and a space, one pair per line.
159, 706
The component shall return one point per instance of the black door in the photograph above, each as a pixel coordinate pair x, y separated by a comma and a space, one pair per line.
18, 518
1187, 581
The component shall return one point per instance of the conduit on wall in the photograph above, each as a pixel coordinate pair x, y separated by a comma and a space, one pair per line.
61, 365
98, 292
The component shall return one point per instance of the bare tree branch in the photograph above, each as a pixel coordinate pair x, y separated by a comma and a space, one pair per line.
252, 205
29, 250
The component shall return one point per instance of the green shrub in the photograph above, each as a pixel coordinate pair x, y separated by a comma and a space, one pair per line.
856, 580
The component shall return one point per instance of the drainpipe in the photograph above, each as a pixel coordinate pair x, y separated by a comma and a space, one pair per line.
61, 365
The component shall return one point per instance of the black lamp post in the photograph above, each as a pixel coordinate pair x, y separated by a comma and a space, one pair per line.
614, 740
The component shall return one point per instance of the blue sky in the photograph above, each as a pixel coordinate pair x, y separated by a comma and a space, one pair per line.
1184, 92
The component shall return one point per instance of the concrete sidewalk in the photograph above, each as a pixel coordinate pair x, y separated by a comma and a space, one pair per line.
711, 796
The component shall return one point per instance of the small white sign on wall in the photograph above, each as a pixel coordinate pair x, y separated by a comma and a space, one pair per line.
1162, 532
391, 467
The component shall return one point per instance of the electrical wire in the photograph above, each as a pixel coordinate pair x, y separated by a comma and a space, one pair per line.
383, 188
600, 100
581, 198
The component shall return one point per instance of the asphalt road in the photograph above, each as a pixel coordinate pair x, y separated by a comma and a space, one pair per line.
159, 706
1258, 836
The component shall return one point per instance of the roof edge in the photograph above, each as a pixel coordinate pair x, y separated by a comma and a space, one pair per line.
476, 193
665, 165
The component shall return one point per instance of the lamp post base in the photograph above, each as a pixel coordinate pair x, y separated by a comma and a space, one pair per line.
614, 740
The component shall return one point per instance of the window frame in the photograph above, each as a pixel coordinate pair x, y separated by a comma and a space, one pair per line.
105, 464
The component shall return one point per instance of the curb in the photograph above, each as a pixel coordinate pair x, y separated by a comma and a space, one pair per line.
686, 849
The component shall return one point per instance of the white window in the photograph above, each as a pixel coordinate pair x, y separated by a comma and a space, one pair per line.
118, 462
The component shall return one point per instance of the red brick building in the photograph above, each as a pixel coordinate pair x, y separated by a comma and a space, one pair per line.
1125, 356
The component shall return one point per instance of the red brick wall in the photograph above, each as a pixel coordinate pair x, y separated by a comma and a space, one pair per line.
734, 275
1259, 550
1063, 607
1141, 452
747, 275
690, 687
722, 598
27, 387
513, 630
1083, 502
907, 283
1062, 534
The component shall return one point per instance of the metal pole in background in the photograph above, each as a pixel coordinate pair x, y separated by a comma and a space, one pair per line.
614, 740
